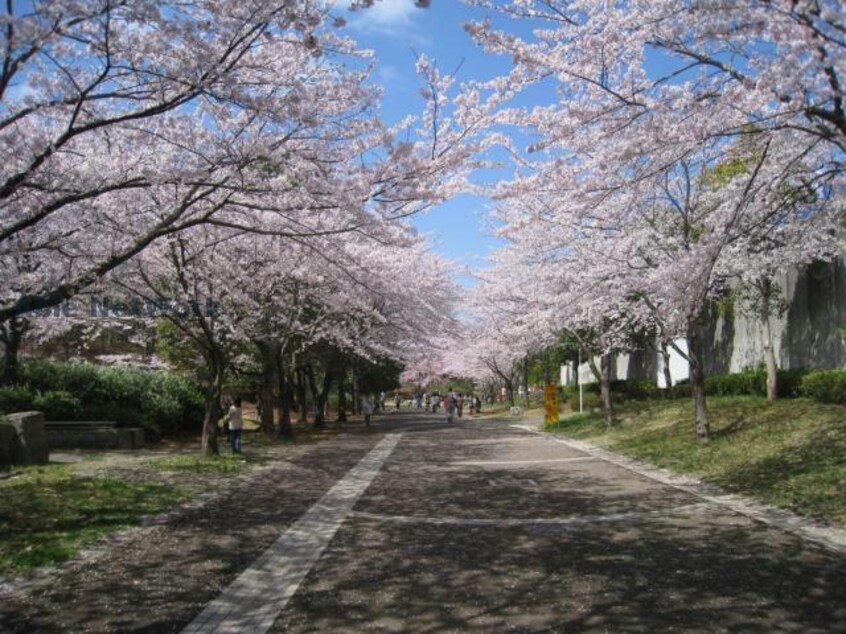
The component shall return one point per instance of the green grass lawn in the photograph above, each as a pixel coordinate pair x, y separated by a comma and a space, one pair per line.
224, 463
47, 513
790, 453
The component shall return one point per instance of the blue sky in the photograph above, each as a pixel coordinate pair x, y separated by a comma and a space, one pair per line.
397, 31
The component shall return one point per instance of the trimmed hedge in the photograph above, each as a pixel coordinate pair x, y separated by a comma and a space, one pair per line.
746, 382
628, 390
161, 402
754, 382
826, 386
791, 383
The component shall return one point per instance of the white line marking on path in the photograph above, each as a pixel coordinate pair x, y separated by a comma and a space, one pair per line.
484, 463
531, 521
251, 603
833, 538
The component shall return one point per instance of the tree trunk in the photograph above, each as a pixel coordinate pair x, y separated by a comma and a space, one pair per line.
286, 430
302, 400
11, 333
356, 393
342, 395
766, 290
319, 396
269, 352
213, 409
605, 387
547, 367
525, 381
509, 392
323, 398
697, 381
603, 375
668, 378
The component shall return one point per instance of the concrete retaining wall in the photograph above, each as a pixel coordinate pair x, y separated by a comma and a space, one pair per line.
810, 334
93, 435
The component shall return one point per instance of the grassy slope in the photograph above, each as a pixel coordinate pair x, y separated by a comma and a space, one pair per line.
791, 453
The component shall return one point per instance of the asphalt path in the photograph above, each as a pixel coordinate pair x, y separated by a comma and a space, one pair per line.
485, 527
417, 525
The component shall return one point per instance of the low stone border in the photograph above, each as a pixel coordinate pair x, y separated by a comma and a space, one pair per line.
827, 536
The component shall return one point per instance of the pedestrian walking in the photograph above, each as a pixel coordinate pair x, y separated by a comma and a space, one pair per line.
367, 407
235, 422
450, 405
460, 402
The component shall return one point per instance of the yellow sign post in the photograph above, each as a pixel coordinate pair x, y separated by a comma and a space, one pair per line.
550, 393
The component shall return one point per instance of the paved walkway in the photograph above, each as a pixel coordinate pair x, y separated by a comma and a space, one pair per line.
481, 527
252, 602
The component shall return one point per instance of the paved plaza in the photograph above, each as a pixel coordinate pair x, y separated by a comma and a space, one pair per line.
483, 526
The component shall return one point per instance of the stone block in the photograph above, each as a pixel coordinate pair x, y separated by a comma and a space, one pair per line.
83, 434
23, 439
130, 438
137, 437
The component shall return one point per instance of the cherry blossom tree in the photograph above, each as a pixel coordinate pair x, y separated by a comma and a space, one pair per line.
650, 100
125, 122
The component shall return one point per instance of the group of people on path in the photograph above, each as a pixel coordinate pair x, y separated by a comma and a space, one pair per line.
452, 401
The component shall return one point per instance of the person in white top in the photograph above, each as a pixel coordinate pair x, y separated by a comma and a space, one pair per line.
235, 417
367, 407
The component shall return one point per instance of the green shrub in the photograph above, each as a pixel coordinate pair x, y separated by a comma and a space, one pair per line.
59, 405
592, 401
745, 382
172, 403
569, 393
826, 386
790, 382
161, 402
627, 390
636, 390
122, 385
79, 379
16, 398
124, 416
682, 389
754, 382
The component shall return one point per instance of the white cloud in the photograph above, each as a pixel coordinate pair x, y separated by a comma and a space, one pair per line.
390, 13
395, 18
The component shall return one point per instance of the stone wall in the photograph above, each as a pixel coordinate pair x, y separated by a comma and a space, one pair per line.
23, 439
810, 334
